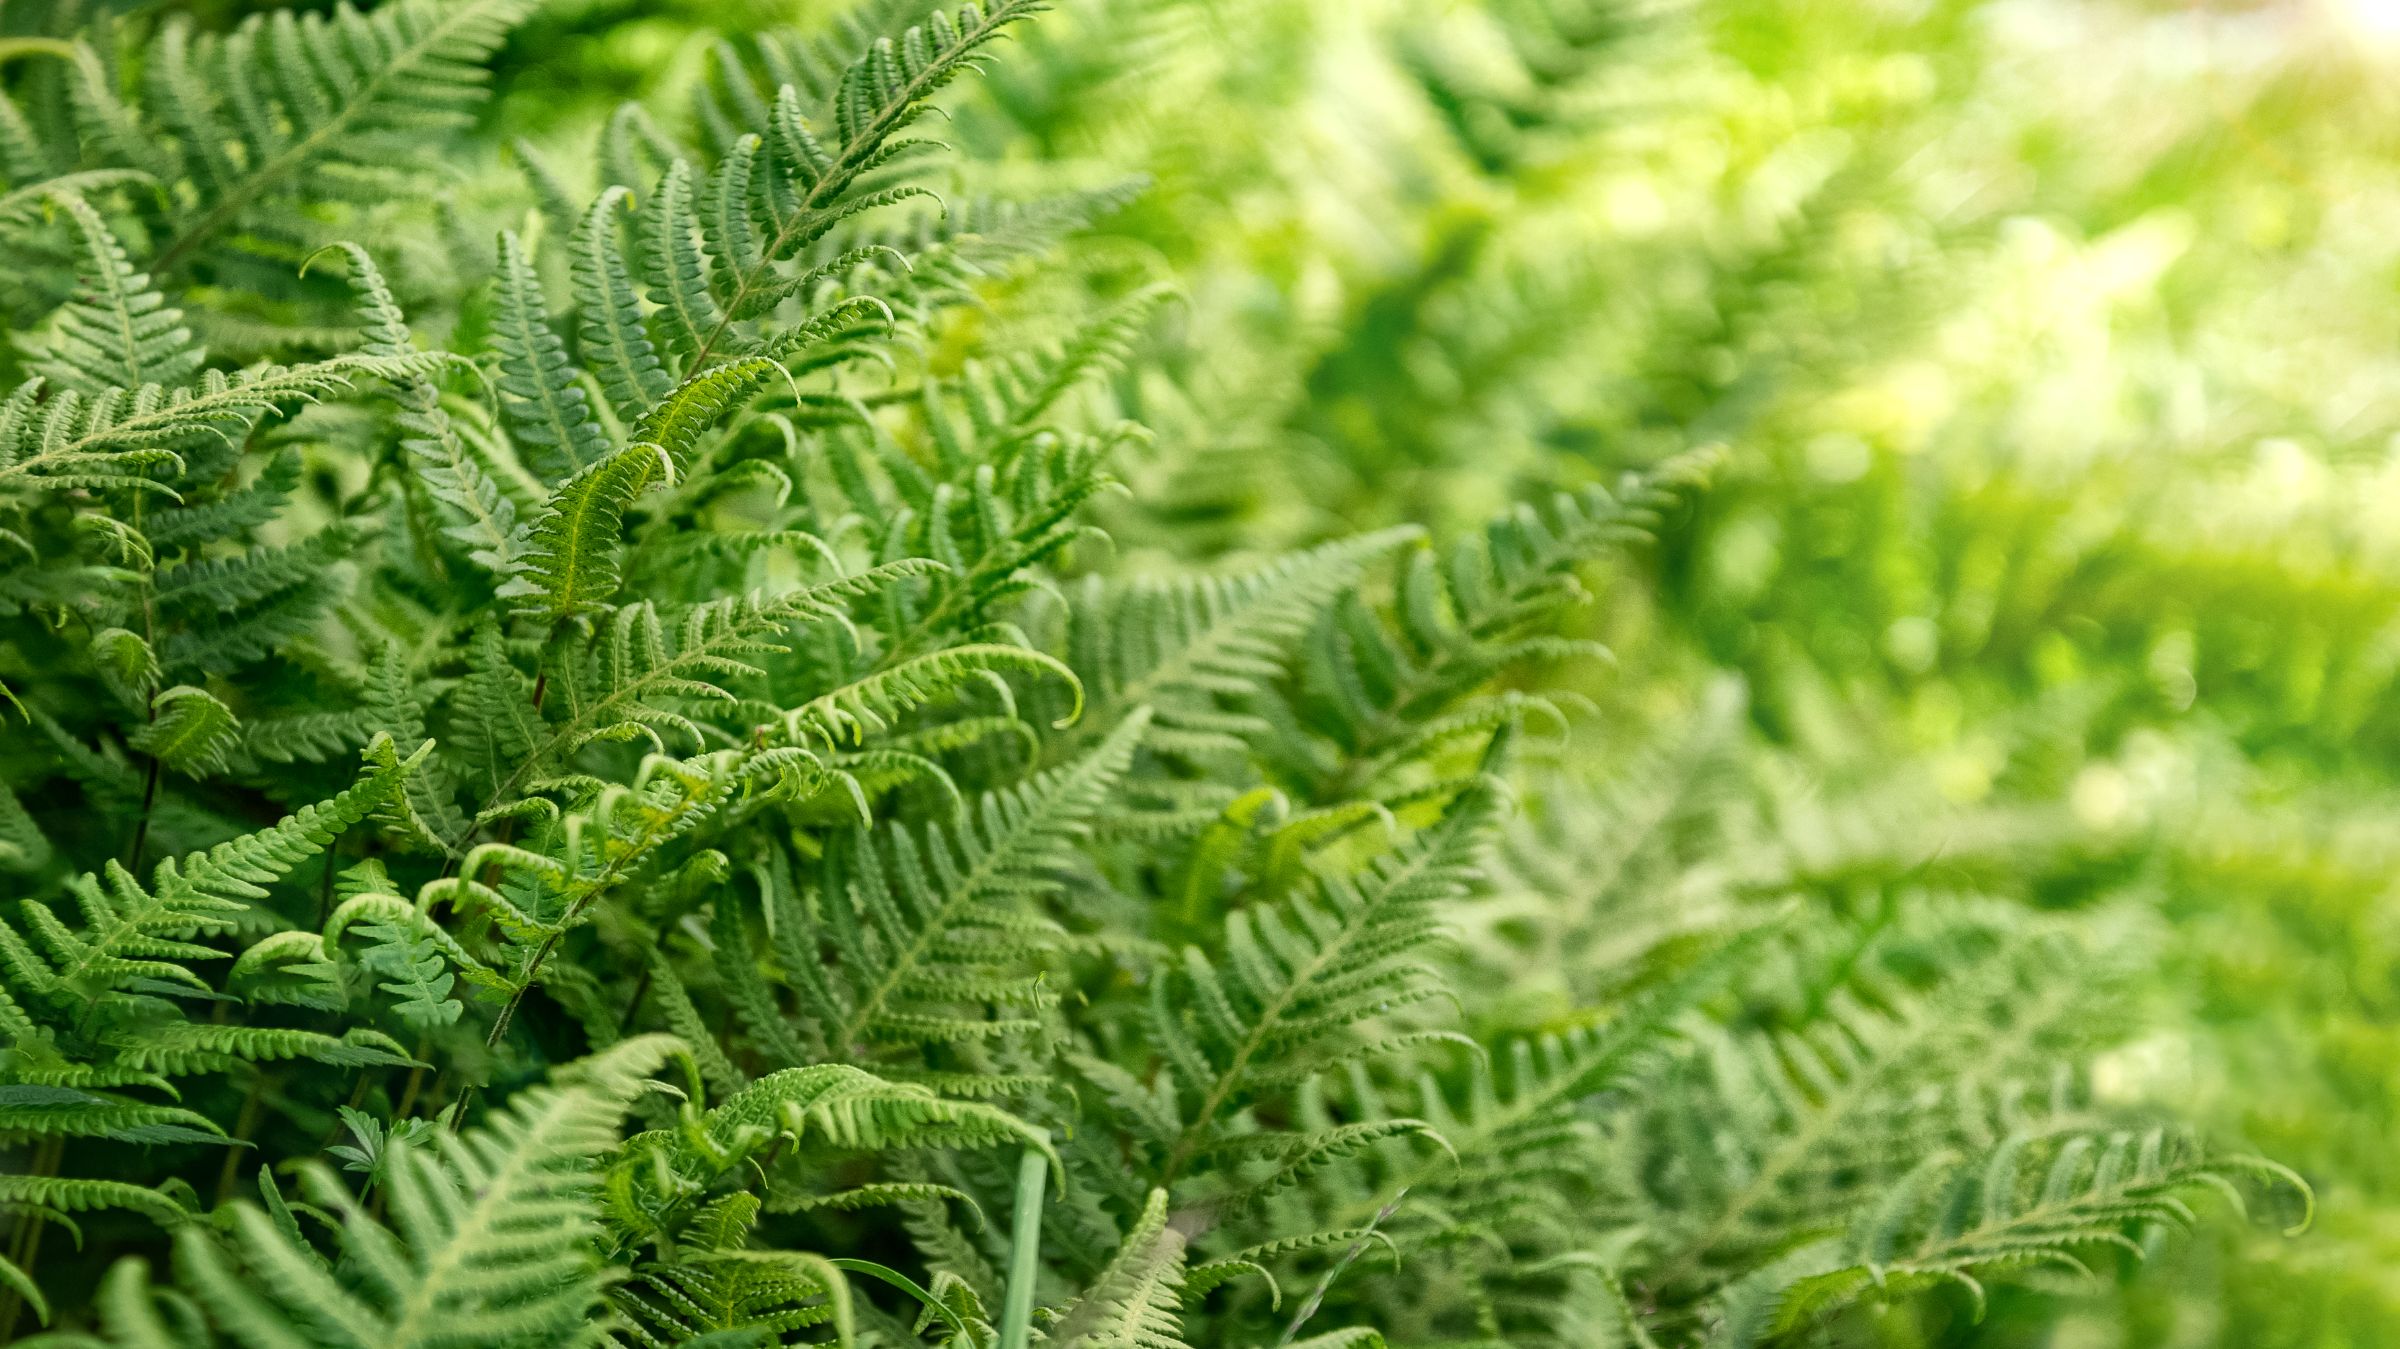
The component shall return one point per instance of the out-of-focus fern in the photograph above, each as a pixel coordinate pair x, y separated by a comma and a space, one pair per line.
2033, 1201
247, 132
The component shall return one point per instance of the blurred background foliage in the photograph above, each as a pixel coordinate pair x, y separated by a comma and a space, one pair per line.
2053, 352
2053, 347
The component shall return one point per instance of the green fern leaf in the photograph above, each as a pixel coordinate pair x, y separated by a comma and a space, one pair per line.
132, 933
570, 565
609, 313
1299, 978
114, 440
676, 266
2032, 1203
916, 905
676, 424
489, 1241
655, 1188
118, 331
484, 519
1133, 1304
189, 731
231, 513
314, 100
540, 400
1179, 646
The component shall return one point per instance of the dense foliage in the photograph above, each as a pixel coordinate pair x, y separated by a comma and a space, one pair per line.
1283, 672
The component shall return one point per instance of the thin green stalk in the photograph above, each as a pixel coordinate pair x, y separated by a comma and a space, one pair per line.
25, 1247
1316, 1295
253, 1105
1024, 1251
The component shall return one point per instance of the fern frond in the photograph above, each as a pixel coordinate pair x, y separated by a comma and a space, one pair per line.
483, 519
1134, 1302
845, 716
541, 402
23, 847
1389, 689
628, 682
74, 1194
133, 933
30, 1111
613, 340
118, 332
189, 1049
1493, 1142
880, 95
1180, 646
115, 439
722, 1290
654, 1190
488, 1242
1819, 1108
1002, 402
285, 106
675, 424
932, 926
1299, 978
230, 513
569, 564
2033, 1202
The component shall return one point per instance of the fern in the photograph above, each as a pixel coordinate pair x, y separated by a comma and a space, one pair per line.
619, 686
1133, 1302
544, 407
283, 110
457, 481
114, 440
2032, 1202
133, 932
569, 566
489, 1238
1298, 979
118, 331
930, 927
716, 1285
1520, 1154
1387, 692
1179, 647
825, 1106
1144, 730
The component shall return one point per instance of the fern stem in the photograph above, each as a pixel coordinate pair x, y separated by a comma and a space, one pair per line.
1024, 1251
141, 823
633, 1004
25, 1246
416, 1080
325, 883
455, 1118
244, 1125
1316, 1295
508, 1012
